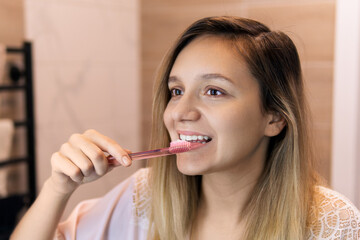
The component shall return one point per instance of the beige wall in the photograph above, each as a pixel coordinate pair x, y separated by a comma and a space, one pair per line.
11, 22
309, 23
86, 68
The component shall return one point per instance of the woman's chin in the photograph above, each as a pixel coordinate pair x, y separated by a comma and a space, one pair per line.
190, 167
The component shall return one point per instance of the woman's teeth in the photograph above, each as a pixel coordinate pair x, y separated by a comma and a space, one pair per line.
195, 138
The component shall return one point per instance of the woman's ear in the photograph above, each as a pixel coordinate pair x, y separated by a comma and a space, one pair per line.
275, 124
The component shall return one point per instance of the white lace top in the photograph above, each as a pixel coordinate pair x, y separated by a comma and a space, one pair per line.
338, 217
123, 214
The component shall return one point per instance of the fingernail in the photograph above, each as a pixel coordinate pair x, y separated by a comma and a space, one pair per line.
126, 160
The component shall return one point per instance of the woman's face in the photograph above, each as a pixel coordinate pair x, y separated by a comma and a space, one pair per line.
214, 96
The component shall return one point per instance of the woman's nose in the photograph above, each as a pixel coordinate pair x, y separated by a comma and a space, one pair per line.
185, 110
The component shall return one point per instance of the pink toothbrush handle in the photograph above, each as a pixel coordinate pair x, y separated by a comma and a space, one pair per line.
146, 154
150, 154
175, 147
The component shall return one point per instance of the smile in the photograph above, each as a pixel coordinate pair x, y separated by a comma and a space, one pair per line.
195, 138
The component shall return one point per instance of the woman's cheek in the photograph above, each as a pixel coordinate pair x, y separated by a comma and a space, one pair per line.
166, 118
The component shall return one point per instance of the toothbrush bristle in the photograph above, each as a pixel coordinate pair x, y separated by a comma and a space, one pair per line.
181, 146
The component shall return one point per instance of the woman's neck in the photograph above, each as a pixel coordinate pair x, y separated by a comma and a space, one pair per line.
223, 198
227, 193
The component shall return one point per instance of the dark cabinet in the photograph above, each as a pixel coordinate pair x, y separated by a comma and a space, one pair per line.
10, 206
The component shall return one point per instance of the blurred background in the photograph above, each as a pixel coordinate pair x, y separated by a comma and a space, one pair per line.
93, 64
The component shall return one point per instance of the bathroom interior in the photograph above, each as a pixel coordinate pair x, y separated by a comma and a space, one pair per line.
92, 63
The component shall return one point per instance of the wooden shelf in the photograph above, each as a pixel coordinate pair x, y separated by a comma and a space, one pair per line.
21, 123
13, 161
12, 87
11, 205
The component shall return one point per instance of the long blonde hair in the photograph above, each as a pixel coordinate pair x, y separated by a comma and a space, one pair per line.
280, 203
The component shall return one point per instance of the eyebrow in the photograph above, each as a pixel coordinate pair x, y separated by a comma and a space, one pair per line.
207, 76
217, 76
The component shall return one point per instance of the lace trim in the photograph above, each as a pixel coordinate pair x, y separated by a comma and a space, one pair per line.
337, 217
141, 198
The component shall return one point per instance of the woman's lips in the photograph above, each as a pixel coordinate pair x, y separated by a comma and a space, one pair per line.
192, 133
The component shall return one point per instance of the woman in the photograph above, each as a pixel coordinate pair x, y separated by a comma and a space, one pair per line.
236, 86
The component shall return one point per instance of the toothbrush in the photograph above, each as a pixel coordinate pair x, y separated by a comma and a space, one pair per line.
178, 146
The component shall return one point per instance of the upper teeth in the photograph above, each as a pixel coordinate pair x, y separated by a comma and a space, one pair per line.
193, 137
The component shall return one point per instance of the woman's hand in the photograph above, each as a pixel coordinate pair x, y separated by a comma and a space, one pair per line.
78, 161
82, 159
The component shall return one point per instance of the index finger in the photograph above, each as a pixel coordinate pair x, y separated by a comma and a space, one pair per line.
109, 145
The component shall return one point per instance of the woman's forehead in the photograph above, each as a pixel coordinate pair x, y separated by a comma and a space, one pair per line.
209, 56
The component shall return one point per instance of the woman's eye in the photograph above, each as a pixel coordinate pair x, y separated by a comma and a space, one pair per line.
176, 92
214, 92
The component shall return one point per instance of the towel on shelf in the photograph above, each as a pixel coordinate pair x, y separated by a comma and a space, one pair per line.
12, 177
7, 130
13, 180
2, 62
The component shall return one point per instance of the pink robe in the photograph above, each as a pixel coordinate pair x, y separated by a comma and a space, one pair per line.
123, 214
117, 215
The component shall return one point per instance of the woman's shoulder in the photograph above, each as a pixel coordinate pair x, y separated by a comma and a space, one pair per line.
119, 214
334, 216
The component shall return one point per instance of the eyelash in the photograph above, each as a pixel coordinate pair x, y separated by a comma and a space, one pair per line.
209, 90
212, 90
173, 90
